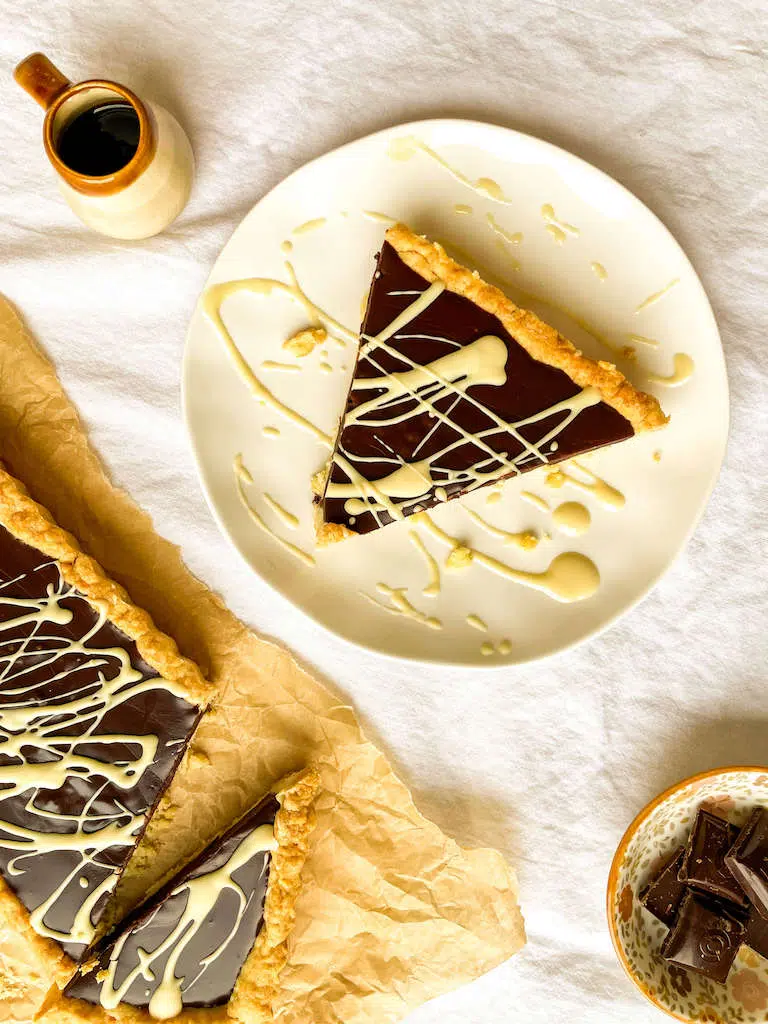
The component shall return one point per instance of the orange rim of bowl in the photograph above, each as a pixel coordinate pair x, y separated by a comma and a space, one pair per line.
618, 857
108, 184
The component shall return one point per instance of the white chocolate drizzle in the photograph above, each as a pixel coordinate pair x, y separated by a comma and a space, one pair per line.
287, 518
572, 518
600, 489
656, 296
558, 229
477, 623
271, 364
512, 237
32, 722
202, 894
569, 577
599, 271
462, 209
243, 477
400, 605
432, 589
640, 339
683, 370
310, 225
407, 146
535, 499
380, 218
525, 539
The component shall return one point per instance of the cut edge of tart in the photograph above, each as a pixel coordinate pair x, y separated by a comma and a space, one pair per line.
32, 525
257, 981
538, 339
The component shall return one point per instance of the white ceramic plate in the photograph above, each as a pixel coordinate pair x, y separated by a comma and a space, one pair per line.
631, 546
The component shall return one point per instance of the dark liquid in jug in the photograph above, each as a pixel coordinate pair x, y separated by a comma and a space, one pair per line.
101, 140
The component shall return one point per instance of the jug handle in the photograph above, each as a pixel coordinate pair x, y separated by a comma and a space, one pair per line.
41, 79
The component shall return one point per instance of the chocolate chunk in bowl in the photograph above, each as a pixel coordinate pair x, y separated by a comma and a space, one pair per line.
643, 854
747, 860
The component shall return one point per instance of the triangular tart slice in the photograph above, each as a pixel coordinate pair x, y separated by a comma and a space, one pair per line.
97, 708
456, 388
210, 943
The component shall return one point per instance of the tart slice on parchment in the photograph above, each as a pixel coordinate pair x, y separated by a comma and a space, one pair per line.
210, 943
97, 708
456, 388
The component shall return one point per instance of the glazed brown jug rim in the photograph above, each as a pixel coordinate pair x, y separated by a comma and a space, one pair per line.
108, 183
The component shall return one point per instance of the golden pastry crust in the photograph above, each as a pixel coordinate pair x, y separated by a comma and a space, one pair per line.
542, 342
258, 981
34, 525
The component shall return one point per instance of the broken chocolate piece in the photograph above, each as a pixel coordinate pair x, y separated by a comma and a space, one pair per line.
756, 935
664, 893
703, 866
747, 860
705, 938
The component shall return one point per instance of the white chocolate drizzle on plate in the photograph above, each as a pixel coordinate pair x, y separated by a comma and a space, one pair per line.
656, 296
640, 339
432, 589
587, 481
569, 577
558, 229
477, 623
407, 146
379, 218
242, 478
535, 499
271, 365
400, 605
310, 225
572, 518
599, 271
525, 539
683, 370
513, 237
287, 518
462, 209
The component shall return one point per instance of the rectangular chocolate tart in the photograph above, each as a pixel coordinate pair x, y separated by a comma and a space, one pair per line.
97, 707
209, 944
456, 388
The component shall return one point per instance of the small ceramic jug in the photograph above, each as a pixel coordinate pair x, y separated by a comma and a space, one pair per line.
140, 198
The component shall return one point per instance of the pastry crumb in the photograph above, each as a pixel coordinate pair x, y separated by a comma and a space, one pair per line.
305, 341
459, 557
556, 478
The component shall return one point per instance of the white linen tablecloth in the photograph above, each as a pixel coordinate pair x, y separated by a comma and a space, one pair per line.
549, 762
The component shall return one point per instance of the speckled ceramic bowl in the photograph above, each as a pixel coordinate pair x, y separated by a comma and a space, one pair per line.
637, 936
